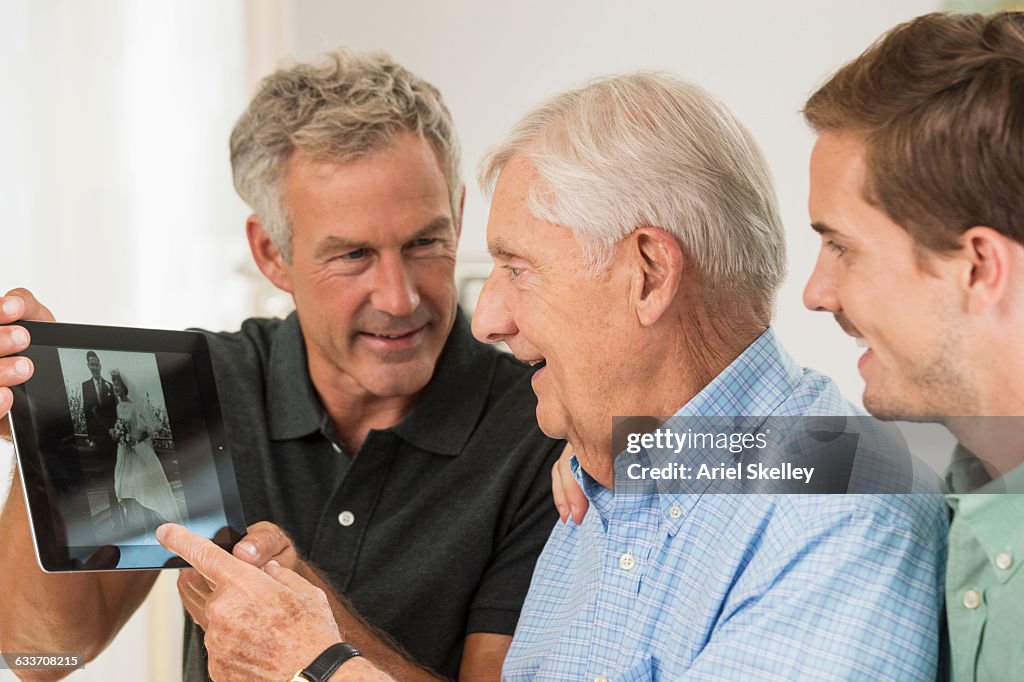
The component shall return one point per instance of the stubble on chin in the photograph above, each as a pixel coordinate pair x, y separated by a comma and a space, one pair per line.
936, 392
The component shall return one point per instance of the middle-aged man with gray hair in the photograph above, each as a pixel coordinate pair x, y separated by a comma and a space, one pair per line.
637, 250
381, 452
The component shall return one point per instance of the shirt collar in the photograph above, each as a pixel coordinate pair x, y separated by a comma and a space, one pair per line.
990, 508
443, 418
447, 411
760, 379
752, 385
606, 503
601, 499
967, 474
293, 407
994, 521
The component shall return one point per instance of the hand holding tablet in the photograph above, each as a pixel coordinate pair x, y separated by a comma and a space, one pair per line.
118, 430
15, 306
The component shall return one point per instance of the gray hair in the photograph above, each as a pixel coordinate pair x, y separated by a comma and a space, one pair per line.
648, 149
344, 109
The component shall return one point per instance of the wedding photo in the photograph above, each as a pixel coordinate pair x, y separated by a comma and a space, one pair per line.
123, 436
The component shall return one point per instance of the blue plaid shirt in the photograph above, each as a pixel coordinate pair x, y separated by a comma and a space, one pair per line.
739, 587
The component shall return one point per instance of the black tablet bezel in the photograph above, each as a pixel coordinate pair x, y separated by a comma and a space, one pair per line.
54, 556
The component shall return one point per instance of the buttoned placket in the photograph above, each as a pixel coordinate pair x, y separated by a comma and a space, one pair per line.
629, 539
352, 503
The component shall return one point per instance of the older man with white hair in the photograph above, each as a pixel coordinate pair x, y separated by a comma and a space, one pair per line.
638, 248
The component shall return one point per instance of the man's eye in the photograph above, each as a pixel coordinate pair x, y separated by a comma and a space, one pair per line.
424, 241
832, 246
353, 255
515, 272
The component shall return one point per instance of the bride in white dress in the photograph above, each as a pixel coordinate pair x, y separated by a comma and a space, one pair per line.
139, 479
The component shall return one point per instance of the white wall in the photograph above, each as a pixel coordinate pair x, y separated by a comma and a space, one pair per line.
117, 194
116, 197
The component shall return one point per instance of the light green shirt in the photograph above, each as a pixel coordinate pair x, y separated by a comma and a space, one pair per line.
984, 580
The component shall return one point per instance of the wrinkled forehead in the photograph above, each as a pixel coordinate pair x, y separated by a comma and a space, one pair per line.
512, 228
514, 231
509, 219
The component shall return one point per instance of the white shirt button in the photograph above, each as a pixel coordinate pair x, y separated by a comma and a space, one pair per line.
346, 518
627, 562
337, 448
1004, 561
972, 599
675, 511
601, 678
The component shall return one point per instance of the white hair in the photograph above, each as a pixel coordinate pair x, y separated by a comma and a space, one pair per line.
648, 149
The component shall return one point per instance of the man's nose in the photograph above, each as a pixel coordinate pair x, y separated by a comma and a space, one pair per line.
395, 289
820, 292
492, 319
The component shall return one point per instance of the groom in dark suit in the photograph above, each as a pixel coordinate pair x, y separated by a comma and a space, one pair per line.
100, 407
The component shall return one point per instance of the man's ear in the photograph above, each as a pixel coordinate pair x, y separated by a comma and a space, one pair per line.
657, 263
986, 274
268, 259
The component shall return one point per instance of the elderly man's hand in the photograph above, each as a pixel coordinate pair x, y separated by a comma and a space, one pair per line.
17, 304
194, 592
260, 624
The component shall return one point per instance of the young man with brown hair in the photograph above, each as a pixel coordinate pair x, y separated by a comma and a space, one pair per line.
916, 191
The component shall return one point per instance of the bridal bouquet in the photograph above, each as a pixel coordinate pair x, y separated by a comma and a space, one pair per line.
123, 434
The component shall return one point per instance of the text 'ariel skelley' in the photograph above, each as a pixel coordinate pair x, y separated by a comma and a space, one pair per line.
721, 472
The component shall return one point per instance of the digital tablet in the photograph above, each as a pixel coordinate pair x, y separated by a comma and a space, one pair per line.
118, 431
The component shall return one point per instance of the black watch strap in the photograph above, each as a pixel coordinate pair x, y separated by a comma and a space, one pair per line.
324, 665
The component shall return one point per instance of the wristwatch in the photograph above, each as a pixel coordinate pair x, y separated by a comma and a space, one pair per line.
324, 665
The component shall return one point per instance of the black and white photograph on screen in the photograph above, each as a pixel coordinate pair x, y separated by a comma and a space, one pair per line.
125, 443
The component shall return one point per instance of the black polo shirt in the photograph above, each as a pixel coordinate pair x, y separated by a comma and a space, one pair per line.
432, 531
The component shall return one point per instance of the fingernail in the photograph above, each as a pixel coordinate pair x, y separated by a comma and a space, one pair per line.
10, 307
21, 367
19, 337
248, 548
273, 562
161, 533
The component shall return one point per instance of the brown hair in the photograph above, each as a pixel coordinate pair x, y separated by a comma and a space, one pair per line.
939, 101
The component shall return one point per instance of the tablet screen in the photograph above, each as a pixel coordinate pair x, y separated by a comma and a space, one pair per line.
118, 431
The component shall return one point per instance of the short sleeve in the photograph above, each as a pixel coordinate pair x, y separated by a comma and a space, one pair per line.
499, 598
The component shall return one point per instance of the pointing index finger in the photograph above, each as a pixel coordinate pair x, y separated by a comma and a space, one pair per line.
216, 565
